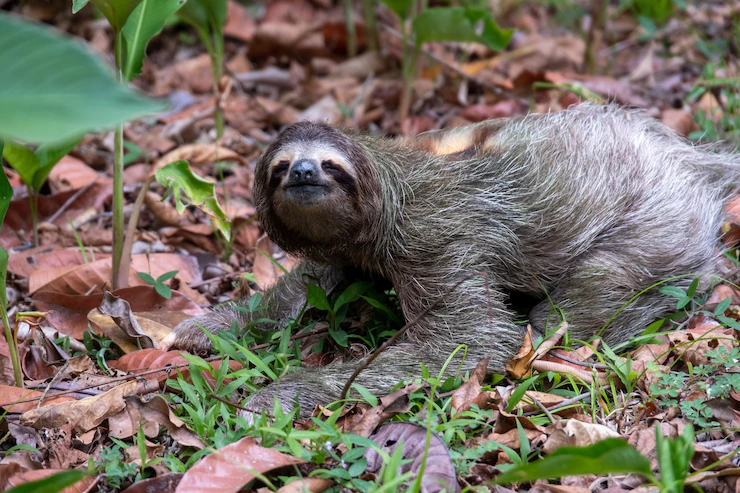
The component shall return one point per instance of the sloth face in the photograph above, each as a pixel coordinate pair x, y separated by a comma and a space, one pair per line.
311, 188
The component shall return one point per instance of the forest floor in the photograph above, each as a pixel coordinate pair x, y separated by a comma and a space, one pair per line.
96, 389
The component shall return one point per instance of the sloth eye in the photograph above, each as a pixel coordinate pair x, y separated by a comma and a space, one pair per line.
328, 164
280, 168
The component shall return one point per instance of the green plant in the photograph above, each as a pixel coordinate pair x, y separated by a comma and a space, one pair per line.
99, 348
6, 195
208, 18
117, 469
466, 24
651, 13
159, 283
34, 168
722, 122
177, 178
134, 23
613, 455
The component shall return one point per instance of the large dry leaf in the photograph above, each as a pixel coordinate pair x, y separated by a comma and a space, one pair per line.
71, 174
82, 279
145, 360
67, 313
85, 414
467, 392
574, 433
231, 467
80, 486
439, 472
151, 415
265, 271
9, 394
18, 216
397, 402
26, 262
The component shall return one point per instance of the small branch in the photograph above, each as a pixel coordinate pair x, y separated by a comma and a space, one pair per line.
128, 242
66, 205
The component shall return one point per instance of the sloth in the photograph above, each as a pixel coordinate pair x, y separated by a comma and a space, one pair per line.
586, 209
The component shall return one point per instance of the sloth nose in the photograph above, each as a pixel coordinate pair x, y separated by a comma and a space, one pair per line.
304, 170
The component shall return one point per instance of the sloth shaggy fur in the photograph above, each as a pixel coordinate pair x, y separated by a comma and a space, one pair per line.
589, 206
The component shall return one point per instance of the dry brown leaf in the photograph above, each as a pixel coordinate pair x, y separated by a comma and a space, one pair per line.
679, 120
71, 174
93, 276
231, 467
239, 24
25, 262
394, 403
151, 415
574, 433
80, 486
120, 313
9, 394
165, 483
68, 313
439, 472
470, 390
198, 155
265, 271
692, 345
519, 364
85, 414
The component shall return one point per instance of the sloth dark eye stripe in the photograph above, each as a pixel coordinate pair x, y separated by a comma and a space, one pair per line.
280, 169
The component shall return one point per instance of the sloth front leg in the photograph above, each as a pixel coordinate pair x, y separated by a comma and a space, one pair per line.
283, 301
472, 318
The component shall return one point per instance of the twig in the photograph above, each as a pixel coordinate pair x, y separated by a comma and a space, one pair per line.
564, 404
394, 338
249, 410
537, 403
128, 242
597, 366
71, 200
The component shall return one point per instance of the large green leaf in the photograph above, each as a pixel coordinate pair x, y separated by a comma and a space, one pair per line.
116, 11
53, 88
177, 176
459, 24
145, 22
612, 455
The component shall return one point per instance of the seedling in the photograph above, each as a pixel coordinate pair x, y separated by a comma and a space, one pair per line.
159, 283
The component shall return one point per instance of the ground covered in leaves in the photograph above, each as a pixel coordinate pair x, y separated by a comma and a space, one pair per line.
98, 393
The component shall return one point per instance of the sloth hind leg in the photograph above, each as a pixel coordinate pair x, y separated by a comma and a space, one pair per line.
603, 291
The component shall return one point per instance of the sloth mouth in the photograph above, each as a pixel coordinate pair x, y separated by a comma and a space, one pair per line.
305, 185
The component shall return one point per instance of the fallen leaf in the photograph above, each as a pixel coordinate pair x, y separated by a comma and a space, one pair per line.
574, 433
439, 472
231, 467
85, 414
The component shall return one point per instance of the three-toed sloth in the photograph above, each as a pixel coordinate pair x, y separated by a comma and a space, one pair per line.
585, 208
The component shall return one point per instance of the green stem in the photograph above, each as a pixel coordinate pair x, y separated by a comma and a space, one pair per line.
12, 346
351, 33
217, 61
33, 200
118, 176
368, 6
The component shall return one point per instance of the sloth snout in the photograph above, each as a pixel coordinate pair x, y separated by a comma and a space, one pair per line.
304, 171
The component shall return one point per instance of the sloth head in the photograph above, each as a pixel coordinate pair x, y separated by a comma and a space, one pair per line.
314, 187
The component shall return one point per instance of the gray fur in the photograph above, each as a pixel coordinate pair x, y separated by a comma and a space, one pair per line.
591, 205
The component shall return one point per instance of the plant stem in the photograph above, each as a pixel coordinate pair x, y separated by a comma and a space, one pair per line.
217, 62
118, 176
351, 33
12, 346
33, 201
368, 6
128, 243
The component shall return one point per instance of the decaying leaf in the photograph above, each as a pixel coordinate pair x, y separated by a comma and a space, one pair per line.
231, 467
439, 472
